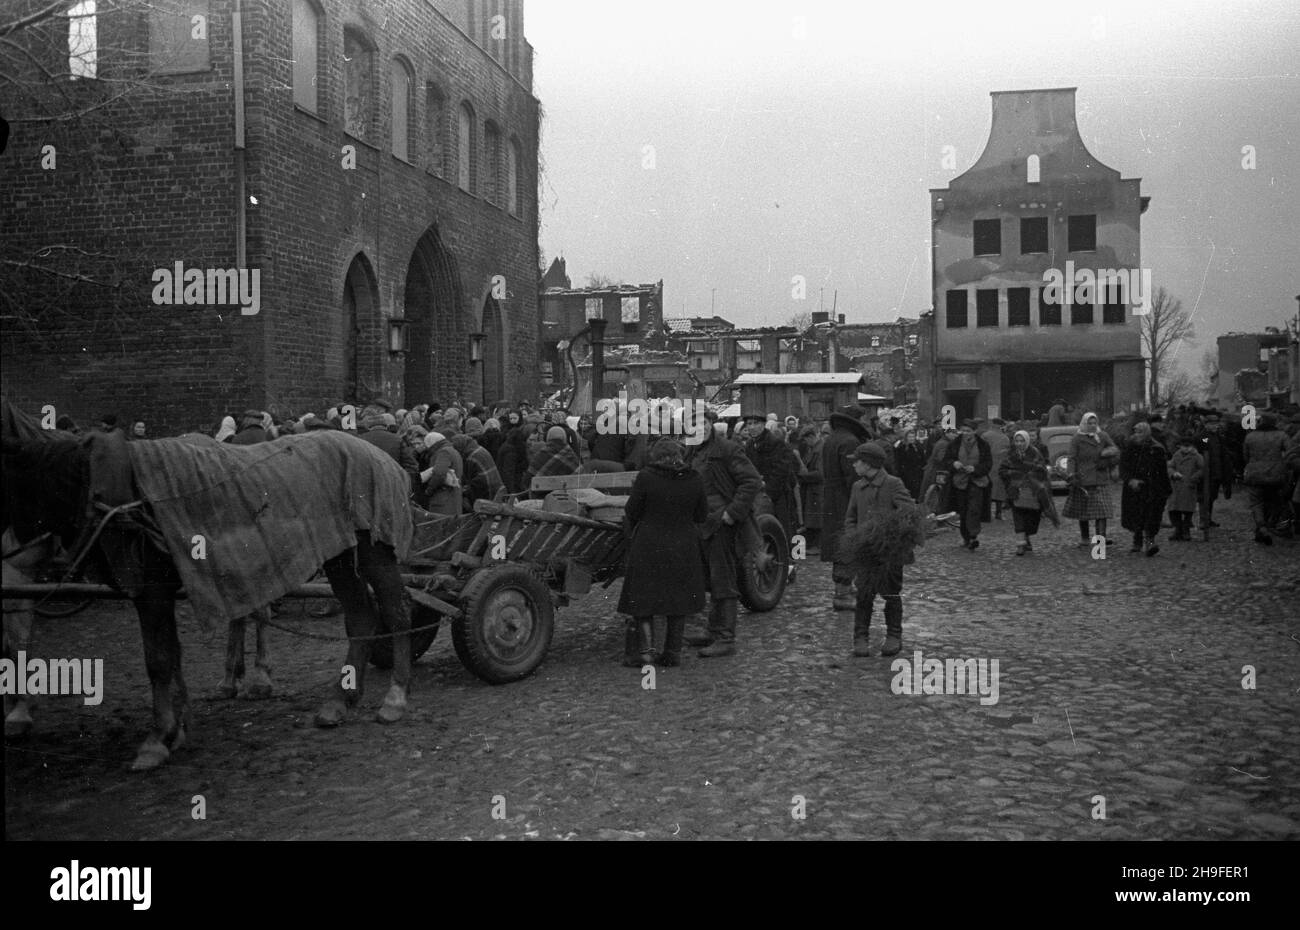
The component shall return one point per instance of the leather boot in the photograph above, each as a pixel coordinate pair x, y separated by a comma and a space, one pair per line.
725, 631
645, 629
861, 633
671, 657
843, 599
893, 626
706, 638
631, 644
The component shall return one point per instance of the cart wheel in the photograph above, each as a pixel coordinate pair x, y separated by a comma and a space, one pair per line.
761, 577
506, 625
381, 650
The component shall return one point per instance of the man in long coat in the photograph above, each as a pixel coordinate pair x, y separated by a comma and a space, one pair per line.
1144, 468
732, 484
847, 433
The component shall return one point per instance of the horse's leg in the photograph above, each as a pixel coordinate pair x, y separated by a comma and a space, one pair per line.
258, 685
360, 621
379, 567
19, 617
234, 659
156, 607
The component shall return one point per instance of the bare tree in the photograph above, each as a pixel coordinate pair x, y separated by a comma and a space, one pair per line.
601, 280
1179, 388
800, 321
1207, 380
68, 73
1163, 329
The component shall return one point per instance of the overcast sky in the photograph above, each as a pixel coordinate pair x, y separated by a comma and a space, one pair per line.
803, 138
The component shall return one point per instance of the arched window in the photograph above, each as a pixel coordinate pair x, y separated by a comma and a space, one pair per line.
83, 40
435, 114
513, 162
358, 85
465, 166
1031, 168
306, 52
492, 164
401, 81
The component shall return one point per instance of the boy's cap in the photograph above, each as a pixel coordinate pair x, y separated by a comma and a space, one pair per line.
869, 452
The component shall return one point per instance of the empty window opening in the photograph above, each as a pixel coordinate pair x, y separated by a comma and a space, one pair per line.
988, 237
83, 40
1049, 311
1017, 306
1033, 235
956, 318
1081, 309
1031, 169
986, 307
1083, 233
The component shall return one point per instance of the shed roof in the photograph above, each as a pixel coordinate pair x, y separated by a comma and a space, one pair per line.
808, 377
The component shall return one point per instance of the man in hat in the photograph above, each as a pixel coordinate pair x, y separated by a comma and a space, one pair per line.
969, 460
875, 492
731, 484
847, 433
374, 431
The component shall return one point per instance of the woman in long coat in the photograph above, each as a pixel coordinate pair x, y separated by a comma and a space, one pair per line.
665, 564
1092, 453
909, 459
1023, 474
1000, 446
777, 462
937, 454
810, 480
1144, 468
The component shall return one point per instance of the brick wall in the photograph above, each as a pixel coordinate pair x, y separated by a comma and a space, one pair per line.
157, 184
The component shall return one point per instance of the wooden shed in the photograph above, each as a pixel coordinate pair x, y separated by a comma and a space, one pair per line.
806, 395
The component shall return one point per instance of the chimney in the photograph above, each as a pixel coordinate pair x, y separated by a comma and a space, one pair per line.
841, 319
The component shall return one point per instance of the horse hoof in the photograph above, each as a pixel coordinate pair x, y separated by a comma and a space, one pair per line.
331, 714
258, 692
226, 692
150, 757
390, 713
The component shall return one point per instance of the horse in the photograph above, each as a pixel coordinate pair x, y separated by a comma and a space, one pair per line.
102, 500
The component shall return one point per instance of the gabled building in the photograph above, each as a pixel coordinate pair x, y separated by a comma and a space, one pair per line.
1036, 208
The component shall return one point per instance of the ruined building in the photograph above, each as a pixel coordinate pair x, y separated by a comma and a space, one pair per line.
1002, 340
374, 164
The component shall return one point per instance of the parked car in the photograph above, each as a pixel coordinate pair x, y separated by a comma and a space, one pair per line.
1056, 440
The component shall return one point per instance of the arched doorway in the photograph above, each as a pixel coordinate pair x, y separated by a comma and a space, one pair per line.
436, 326
360, 301
494, 353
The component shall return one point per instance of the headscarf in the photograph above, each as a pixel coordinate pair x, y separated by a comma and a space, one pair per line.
433, 439
1083, 424
492, 423
1020, 432
226, 430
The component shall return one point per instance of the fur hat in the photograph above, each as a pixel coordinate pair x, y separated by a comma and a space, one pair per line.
473, 427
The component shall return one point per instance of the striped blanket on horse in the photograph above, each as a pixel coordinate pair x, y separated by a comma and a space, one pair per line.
269, 515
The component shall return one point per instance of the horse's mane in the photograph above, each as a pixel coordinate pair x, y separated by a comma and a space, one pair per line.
44, 477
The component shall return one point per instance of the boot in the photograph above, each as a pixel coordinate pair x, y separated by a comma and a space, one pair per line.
893, 626
645, 630
707, 637
843, 599
671, 657
631, 644
1152, 548
862, 637
724, 643
1205, 534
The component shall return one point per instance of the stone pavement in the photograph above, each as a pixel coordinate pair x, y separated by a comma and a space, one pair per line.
1119, 680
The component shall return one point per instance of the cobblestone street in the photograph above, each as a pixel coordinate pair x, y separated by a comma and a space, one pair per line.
1121, 679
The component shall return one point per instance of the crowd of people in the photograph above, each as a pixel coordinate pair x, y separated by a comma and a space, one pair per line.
823, 482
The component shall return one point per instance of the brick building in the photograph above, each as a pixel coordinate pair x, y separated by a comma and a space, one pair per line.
1035, 201
374, 163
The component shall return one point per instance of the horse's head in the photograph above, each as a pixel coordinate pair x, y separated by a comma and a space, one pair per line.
45, 478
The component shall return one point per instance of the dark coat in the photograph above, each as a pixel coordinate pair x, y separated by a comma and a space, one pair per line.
482, 480
838, 477
555, 458
909, 459
1219, 466
1028, 469
664, 575
810, 481
1091, 457
610, 447
491, 440
512, 460
982, 467
249, 436
778, 463
442, 493
401, 452
1147, 462
1186, 489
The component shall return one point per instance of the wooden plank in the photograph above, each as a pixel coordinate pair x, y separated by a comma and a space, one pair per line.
542, 516
620, 481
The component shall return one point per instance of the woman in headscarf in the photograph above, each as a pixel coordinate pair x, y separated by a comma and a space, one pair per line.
809, 450
1024, 475
1144, 469
492, 437
1092, 453
666, 506
909, 459
512, 455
